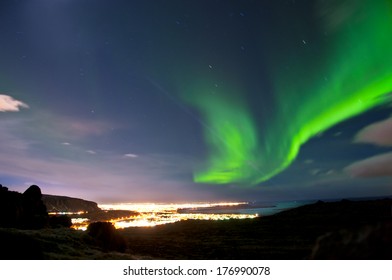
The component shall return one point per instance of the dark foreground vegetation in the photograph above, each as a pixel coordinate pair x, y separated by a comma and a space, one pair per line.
333, 230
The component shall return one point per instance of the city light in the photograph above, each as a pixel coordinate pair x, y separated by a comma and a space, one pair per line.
153, 214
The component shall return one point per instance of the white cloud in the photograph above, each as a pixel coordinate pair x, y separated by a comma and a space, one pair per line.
91, 152
66, 144
9, 104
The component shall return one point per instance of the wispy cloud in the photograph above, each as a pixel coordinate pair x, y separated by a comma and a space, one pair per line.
103, 180
80, 127
9, 104
130, 156
64, 169
379, 133
51, 134
380, 165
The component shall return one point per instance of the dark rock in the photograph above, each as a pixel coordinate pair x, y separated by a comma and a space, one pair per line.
22, 210
11, 208
35, 215
33, 193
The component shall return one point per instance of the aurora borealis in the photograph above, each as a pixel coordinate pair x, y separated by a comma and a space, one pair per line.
202, 99
350, 75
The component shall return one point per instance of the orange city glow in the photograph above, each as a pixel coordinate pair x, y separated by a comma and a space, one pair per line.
153, 214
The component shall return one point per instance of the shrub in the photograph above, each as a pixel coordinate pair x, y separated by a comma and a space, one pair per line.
106, 236
60, 221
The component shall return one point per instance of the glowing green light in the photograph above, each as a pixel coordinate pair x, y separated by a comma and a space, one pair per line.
350, 74
231, 134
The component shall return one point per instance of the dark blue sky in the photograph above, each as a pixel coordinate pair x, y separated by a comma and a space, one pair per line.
91, 99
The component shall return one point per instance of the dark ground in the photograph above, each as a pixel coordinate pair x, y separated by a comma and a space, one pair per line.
333, 230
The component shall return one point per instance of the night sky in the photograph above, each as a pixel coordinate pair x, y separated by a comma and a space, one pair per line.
207, 100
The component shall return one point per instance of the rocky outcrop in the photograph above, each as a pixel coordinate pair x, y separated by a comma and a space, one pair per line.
35, 215
25, 210
11, 208
56, 203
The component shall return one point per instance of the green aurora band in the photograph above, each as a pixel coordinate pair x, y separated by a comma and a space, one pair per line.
346, 76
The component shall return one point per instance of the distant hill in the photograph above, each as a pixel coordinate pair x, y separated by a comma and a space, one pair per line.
55, 203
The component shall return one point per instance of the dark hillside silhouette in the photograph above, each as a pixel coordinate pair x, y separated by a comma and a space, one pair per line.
25, 211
